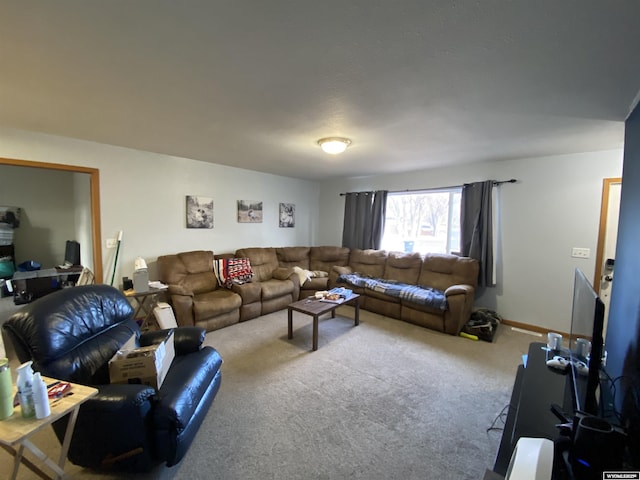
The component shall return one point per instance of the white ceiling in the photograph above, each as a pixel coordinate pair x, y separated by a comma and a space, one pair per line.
255, 83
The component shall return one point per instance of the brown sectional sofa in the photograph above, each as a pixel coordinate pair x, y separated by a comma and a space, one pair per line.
198, 300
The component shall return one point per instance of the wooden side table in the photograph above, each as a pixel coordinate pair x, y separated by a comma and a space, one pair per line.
15, 431
144, 303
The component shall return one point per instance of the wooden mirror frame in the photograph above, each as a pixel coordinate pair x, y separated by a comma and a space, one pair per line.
94, 186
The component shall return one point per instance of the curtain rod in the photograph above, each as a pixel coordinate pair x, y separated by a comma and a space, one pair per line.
495, 183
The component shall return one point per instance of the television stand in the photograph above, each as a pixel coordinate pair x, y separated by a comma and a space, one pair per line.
536, 388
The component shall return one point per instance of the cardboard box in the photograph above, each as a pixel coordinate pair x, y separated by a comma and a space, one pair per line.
142, 365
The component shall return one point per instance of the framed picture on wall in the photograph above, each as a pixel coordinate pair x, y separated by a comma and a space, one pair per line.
199, 212
249, 211
287, 217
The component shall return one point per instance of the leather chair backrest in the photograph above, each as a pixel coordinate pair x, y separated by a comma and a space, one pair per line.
72, 333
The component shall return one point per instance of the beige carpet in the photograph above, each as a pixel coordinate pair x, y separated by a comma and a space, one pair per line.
383, 400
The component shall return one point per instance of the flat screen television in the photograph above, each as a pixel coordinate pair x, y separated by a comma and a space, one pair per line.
586, 344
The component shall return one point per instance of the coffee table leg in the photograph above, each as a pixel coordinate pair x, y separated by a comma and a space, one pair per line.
357, 313
290, 318
315, 333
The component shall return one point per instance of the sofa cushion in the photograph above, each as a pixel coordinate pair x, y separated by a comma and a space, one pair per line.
276, 288
293, 257
263, 261
213, 303
323, 258
441, 271
368, 262
198, 283
403, 267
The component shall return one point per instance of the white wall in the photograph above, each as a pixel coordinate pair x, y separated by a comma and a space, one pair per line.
143, 194
554, 206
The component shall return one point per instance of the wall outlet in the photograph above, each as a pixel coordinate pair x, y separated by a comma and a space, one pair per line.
112, 242
580, 252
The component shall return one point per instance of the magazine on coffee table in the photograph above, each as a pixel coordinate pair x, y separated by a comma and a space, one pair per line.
337, 295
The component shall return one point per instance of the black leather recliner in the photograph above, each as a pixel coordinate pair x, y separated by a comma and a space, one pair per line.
71, 334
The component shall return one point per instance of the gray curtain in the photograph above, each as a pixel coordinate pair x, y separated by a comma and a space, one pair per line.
476, 228
364, 214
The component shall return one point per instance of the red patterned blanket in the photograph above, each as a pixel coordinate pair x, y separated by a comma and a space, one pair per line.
231, 271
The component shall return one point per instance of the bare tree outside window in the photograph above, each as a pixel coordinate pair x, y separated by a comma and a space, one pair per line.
427, 221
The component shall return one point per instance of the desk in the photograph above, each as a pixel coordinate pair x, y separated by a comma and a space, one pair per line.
144, 303
28, 286
15, 431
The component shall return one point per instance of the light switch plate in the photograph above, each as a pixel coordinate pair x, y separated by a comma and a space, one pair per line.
577, 252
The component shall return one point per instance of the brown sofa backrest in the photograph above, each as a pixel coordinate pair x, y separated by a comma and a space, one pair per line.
193, 271
325, 257
440, 271
368, 262
263, 261
403, 267
293, 257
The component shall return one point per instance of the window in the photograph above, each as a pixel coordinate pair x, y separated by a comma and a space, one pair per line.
426, 221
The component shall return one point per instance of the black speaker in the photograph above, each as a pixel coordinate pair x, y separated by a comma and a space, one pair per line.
72, 253
127, 283
597, 446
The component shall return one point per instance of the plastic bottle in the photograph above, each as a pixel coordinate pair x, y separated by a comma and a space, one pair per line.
6, 390
40, 397
24, 383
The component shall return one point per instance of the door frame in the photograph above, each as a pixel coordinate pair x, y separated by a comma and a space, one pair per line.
602, 231
94, 185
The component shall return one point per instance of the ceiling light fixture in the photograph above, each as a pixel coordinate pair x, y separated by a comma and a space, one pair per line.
334, 145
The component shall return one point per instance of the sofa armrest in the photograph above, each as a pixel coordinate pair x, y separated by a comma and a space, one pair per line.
249, 292
283, 273
460, 299
185, 339
335, 272
152, 337
340, 270
177, 289
115, 396
183, 308
459, 289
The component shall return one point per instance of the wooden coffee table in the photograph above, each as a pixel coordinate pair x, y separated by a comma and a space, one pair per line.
315, 308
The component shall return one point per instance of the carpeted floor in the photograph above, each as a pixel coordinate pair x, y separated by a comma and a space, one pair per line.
384, 400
